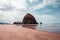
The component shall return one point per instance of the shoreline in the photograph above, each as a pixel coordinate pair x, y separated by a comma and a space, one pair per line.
12, 32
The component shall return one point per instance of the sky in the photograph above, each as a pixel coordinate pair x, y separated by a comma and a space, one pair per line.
46, 11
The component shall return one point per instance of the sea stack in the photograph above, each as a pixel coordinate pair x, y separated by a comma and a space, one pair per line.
29, 19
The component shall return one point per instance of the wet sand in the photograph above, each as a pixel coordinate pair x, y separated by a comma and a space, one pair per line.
12, 32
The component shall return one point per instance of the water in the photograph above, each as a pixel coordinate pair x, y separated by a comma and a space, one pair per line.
49, 28
55, 28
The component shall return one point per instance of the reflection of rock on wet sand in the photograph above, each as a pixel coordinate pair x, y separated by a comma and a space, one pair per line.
30, 26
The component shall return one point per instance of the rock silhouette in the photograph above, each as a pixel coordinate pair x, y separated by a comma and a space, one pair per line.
17, 23
40, 22
29, 19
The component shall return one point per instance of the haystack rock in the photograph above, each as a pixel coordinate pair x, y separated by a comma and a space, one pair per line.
29, 19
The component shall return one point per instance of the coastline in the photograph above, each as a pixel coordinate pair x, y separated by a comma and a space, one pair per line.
12, 32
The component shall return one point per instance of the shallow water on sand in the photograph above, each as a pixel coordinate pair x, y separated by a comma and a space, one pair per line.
55, 28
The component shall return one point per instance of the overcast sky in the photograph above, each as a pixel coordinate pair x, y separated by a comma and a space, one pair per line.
46, 11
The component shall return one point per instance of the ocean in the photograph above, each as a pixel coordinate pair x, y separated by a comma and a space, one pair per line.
54, 28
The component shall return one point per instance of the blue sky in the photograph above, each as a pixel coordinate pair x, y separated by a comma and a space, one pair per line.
46, 11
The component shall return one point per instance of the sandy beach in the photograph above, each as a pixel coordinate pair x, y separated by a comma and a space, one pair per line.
12, 32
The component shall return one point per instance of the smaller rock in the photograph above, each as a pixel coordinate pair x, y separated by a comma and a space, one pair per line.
17, 23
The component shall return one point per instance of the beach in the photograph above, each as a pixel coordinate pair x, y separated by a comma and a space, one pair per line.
12, 32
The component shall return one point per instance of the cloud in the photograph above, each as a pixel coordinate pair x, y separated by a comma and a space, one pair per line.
11, 16
45, 3
6, 7
31, 1
14, 10
11, 4
2, 2
8, 16
22, 5
19, 4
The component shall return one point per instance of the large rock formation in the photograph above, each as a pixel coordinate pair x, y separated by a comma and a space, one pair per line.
29, 19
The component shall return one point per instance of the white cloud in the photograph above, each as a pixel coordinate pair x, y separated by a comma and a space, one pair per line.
11, 16
44, 3
2, 2
19, 4
8, 16
31, 1
7, 7
12, 10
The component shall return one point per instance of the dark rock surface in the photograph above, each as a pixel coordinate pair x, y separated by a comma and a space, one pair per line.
29, 19
17, 23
